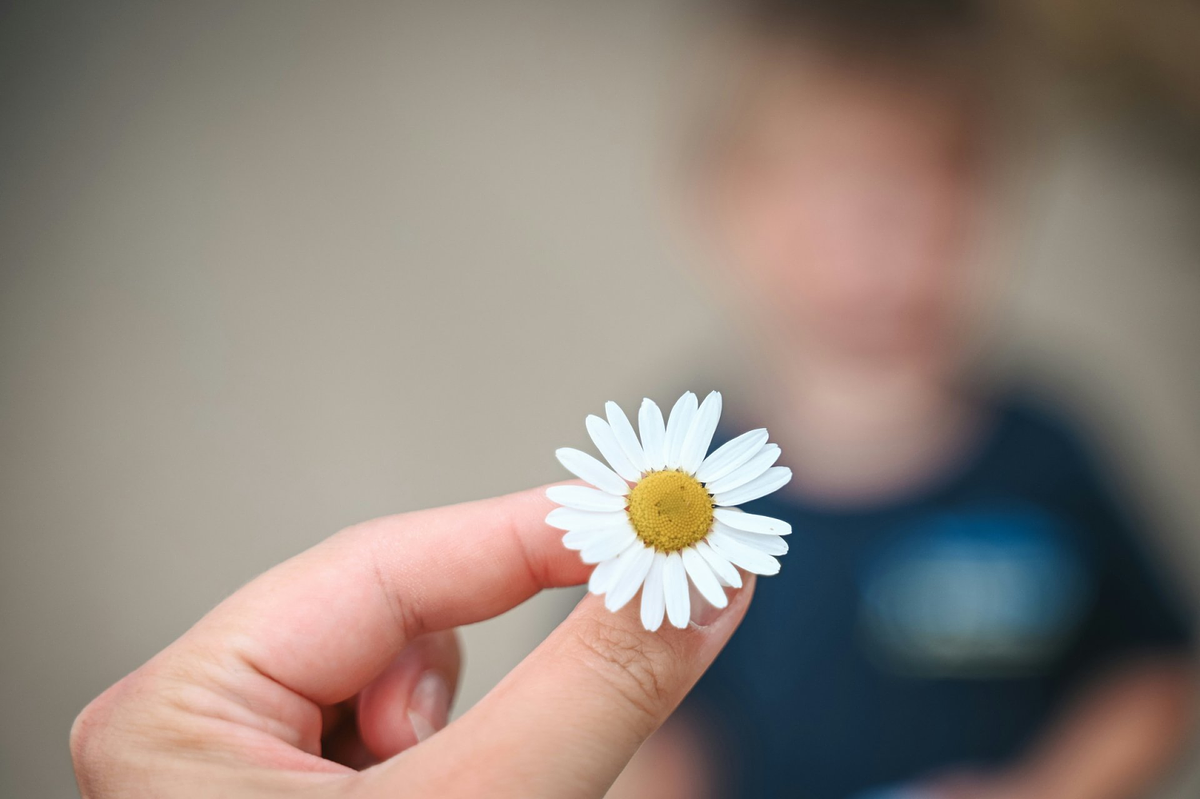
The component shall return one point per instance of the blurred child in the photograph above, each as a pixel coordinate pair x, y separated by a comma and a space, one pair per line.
965, 610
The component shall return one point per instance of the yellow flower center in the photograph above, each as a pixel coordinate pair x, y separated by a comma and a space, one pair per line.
670, 510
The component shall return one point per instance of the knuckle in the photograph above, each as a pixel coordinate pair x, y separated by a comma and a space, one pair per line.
406, 620
81, 735
637, 668
101, 737
89, 739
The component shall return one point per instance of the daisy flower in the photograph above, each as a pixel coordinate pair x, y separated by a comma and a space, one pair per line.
664, 513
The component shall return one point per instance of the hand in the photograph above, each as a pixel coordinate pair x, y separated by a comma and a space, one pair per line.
1012, 783
344, 657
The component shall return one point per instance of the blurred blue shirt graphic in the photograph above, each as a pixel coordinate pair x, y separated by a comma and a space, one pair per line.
938, 631
978, 591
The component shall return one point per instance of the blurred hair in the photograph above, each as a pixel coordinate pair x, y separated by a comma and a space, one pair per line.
911, 32
941, 48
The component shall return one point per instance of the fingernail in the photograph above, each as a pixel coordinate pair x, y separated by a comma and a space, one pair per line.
429, 705
704, 614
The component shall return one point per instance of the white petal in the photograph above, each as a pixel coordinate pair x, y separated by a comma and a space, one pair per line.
584, 539
584, 498
650, 423
772, 479
608, 547
743, 474
678, 426
703, 578
731, 454
751, 522
741, 555
571, 519
590, 470
700, 433
725, 571
628, 439
606, 441
653, 601
614, 568
630, 579
675, 591
578, 539
604, 574
767, 544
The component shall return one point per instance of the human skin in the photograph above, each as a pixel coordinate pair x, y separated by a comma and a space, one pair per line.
304, 682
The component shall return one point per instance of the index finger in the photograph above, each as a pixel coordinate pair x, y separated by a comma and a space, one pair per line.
329, 620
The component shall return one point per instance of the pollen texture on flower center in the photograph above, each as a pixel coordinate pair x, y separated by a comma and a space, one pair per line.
670, 510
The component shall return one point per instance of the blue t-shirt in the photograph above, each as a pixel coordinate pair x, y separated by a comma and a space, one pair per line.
941, 631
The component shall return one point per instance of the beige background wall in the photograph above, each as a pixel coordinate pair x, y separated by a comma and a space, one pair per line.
269, 269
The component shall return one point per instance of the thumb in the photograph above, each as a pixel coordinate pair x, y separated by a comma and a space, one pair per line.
568, 719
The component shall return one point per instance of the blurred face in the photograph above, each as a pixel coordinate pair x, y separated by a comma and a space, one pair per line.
846, 205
